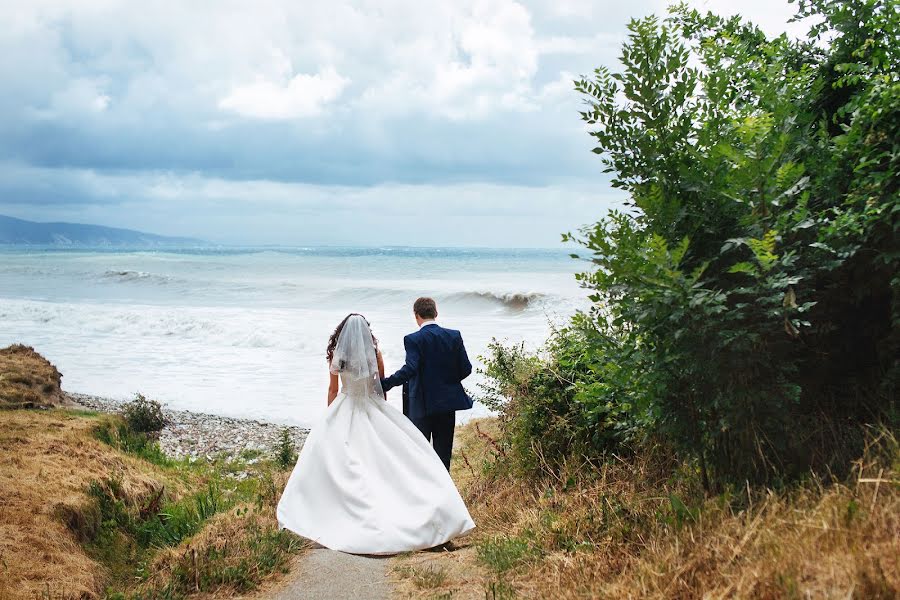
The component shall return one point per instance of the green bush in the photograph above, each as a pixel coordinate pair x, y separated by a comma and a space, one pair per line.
144, 415
578, 397
747, 298
754, 272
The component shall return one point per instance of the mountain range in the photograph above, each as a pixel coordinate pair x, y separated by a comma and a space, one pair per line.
29, 233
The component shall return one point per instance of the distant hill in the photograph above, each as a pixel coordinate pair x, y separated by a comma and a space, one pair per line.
20, 232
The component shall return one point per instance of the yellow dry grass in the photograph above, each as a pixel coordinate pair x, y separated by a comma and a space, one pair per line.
463, 577
27, 379
47, 460
615, 533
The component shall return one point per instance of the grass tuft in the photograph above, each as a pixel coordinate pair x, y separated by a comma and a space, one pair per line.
502, 553
425, 577
114, 431
93, 509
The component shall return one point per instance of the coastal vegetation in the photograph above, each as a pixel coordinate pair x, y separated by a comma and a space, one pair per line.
640, 525
723, 422
92, 508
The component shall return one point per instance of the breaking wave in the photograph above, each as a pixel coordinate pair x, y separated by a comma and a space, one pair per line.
511, 300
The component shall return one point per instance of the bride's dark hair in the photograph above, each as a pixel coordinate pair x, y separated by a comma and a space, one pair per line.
333, 340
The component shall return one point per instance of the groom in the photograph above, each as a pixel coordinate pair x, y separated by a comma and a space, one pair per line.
436, 364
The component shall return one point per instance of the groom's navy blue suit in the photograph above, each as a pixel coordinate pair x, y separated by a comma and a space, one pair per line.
436, 364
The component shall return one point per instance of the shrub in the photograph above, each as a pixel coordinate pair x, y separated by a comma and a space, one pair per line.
285, 451
144, 415
580, 396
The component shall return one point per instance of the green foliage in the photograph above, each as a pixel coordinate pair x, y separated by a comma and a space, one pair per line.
160, 523
240, 565
578, 397
747, 298
505, 552
751, 286
144, 415
116, 432
285, 451
176, 521
133, 530
499, 590
129, 531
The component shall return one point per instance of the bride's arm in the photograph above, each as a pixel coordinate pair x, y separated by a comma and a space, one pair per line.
380, 367
332, 388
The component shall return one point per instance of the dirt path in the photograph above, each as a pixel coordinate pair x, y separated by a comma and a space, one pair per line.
324, 573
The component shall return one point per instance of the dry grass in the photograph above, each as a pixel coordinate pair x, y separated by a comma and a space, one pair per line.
47, 460
78, 516
461, 577
440, 573
632, 529
54, 544
233, 554
27, 379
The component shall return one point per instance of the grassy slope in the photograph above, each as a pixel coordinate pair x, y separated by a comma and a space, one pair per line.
83, 519
27, 379
47, 460
632, 530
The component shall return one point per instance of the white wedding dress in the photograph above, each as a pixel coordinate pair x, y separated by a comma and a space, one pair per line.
367, 481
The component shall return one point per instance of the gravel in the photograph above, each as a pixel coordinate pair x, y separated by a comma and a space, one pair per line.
196, 435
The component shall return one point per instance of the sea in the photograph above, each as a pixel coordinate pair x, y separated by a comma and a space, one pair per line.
241, 332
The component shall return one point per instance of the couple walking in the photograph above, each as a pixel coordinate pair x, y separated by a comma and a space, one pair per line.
368, 480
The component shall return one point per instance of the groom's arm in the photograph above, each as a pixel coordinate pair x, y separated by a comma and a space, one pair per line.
409, 368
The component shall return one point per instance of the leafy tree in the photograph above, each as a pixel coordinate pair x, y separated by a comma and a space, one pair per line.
754, 270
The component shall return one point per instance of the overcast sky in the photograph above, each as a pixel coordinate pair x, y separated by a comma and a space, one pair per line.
444, 122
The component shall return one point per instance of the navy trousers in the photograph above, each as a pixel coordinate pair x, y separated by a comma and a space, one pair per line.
438, 429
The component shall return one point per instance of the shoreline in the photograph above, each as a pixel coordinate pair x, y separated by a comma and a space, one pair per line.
195, 435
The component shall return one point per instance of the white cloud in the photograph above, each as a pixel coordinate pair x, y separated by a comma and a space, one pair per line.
578, 44
200, 111
299, 96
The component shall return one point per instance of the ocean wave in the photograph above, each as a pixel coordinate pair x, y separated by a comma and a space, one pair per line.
516, 301
511, 300
170, 327
131, 276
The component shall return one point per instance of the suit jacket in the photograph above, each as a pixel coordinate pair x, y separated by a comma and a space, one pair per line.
406, 399
436, 364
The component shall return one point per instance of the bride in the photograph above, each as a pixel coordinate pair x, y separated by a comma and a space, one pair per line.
367, 481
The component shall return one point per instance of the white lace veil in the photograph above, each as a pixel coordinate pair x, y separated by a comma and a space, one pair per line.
354, 355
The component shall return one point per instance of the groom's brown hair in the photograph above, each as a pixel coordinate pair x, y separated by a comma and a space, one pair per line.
426, 308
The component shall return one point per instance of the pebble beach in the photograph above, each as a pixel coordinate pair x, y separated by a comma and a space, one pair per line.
196, 435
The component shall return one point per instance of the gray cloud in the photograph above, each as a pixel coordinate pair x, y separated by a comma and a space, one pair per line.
215, 113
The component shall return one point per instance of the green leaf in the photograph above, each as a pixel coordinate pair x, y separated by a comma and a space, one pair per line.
744, 267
